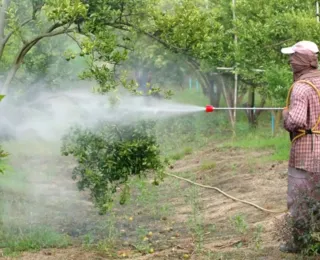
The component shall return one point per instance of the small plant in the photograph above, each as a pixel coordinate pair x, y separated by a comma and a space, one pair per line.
88, 241
257, 240
239, 223
143, 243
180, 155
107, 247
205, 166
196, 221
146, 196
111, 236
177, 156
187, 150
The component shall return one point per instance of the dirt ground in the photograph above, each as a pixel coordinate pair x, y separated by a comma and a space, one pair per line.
229, 228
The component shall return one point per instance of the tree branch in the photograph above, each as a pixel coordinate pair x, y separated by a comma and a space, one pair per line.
170, 47
7, 37
34, 41
55, 26
249, 82
75, 40
124, 47
150, 35
27, 47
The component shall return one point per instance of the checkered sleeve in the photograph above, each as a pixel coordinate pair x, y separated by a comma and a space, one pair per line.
298, 110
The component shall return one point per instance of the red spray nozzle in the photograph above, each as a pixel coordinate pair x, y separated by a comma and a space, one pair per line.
209, 108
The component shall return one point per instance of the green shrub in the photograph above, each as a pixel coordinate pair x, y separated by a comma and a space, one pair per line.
109, 155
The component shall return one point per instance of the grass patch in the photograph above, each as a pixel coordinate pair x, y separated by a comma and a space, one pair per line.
205, 166
180, 155
31, 239
187, 150
257, 140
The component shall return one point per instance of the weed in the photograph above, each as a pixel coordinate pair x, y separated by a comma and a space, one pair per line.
88, 241
111, 236
205, 166
187, 150
211, 228
147, 195
209, 255
111, 232
143, 243
164, 210
257, 240
239, 223
196, 221
180, 155
107, 247
177, 156
234, 168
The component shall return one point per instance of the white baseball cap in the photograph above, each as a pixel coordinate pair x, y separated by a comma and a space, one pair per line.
300, 47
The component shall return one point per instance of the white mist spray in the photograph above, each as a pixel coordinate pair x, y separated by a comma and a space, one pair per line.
50, 115
47, 194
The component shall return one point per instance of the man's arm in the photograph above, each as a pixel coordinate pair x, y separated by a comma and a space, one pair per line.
295, 117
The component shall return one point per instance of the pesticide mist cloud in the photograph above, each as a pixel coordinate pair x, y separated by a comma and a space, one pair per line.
50, 115
40, 191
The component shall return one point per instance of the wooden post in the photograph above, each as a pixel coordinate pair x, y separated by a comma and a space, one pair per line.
236, 73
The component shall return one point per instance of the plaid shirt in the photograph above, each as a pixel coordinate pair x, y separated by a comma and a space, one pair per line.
303, 113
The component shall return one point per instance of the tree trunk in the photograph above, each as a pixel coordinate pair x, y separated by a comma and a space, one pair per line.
259, 112
252, 115
207, 81
228, 101
9, 78
214, 93
278, 116
202, 77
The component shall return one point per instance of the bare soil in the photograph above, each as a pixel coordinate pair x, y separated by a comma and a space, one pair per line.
244, 174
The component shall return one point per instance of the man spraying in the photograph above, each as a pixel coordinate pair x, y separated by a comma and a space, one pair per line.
302, 120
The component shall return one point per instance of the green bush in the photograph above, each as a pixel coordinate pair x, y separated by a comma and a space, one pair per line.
109, 155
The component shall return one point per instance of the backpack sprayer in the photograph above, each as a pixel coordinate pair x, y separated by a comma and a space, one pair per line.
209, 108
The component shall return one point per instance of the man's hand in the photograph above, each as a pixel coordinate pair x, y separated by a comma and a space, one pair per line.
285, 112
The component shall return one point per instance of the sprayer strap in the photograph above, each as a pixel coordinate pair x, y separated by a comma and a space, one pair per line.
303, 132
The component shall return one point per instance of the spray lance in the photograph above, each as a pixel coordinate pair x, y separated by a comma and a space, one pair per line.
209, 108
